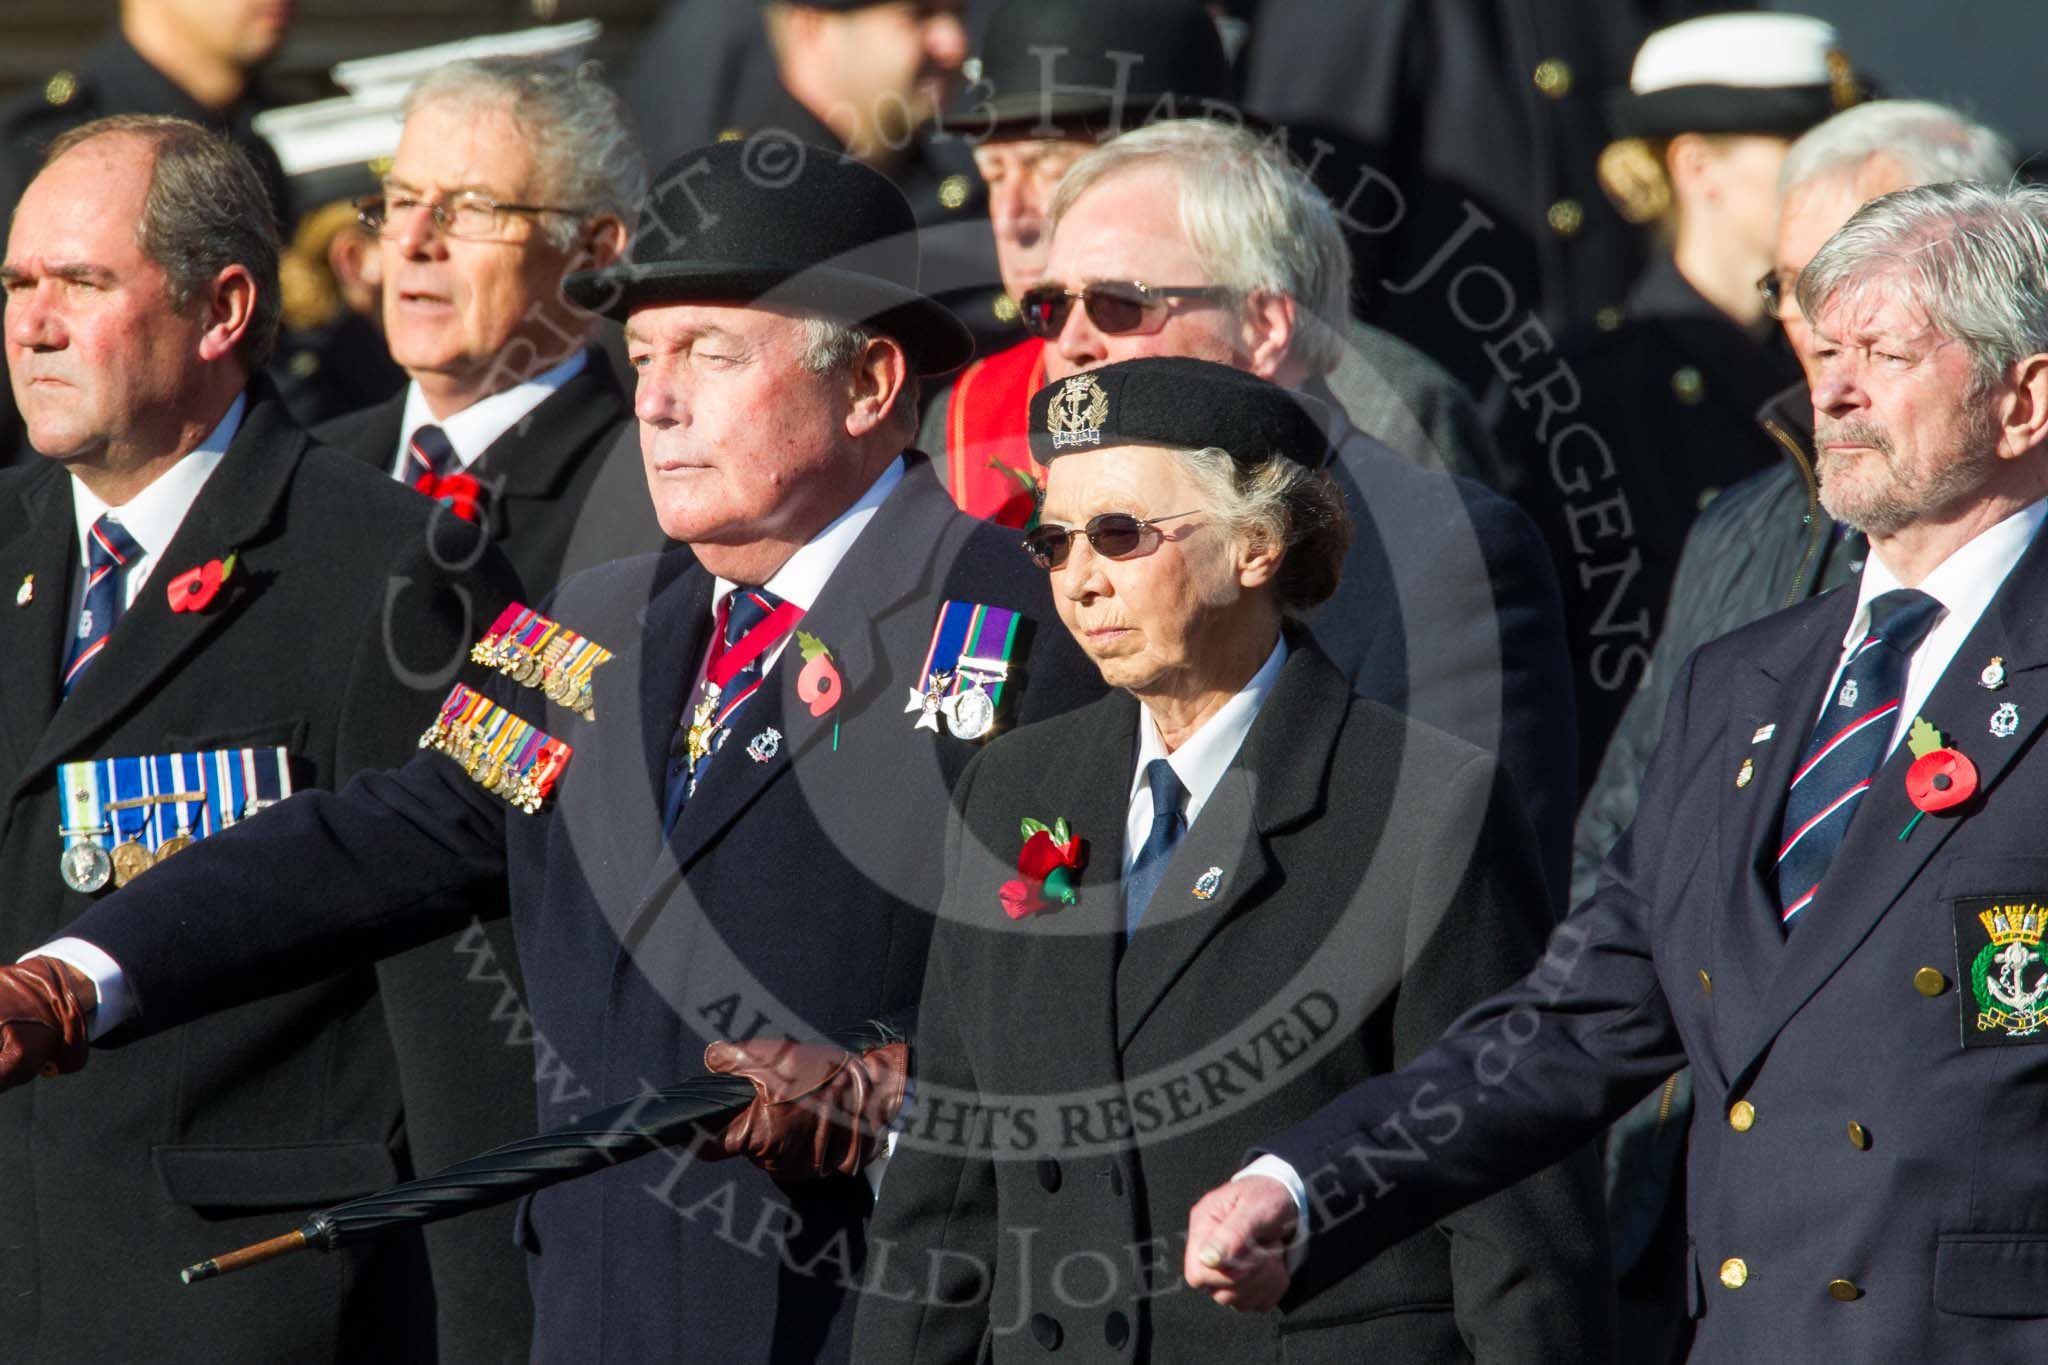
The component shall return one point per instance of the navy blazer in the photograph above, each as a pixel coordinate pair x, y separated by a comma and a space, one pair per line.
1862, 1184
794, 895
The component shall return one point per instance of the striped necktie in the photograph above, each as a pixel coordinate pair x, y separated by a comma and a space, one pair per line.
1848, 746
429, 456
744, 610
109, 550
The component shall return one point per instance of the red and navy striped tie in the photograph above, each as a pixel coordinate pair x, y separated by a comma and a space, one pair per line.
1848, 746
429, 456
743, 611
109, 550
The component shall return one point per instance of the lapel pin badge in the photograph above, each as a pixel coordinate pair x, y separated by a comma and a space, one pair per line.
26, 593
765, 745
1993, 676
2005, 721
1208, 883
1763, 732
1848, 694
1745, 772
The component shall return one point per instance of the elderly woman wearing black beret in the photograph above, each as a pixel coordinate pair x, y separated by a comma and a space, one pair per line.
1194, 911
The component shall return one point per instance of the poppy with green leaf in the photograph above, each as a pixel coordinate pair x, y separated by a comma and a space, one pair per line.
1049, 862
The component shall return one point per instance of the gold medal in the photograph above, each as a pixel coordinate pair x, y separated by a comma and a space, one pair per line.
130, 861
177, 843
701, 729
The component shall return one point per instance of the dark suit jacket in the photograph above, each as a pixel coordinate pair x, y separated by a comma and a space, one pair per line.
1449, 612
1376, 877
1935, 1230
568, 491
565, 481
794, 895
212, 1135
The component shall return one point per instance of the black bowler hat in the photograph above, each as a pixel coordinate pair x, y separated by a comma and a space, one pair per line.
1176, 401
1104, 66
776, 221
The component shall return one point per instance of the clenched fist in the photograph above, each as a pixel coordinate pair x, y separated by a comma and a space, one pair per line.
43, 1008
1238, 1238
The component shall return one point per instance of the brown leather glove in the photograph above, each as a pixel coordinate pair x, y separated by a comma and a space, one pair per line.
818, 1110
44, 1004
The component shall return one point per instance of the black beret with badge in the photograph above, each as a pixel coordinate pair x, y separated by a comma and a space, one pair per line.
774, 221
1180, 402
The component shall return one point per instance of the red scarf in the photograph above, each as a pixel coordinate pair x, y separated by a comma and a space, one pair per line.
988, 450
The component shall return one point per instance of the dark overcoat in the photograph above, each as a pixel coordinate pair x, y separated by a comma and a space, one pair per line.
794, 895
564, 484
334, 636
1353, 883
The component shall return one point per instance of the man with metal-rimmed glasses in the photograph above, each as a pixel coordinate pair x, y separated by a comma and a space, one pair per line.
509, 174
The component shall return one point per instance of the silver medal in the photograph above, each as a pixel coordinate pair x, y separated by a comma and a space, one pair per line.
85, 867
971, 714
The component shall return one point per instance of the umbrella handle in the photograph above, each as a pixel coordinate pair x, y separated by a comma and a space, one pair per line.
247, 1256
318, 1233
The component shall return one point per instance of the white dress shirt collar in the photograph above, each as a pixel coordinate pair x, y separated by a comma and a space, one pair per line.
803, 575
153, 516
1964, 584
1203, 757
473, 430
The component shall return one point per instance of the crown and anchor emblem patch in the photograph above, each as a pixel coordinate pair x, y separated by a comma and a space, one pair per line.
1998, 951
1076, 414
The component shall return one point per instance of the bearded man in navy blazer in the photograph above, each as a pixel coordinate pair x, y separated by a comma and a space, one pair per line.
739, 833
1834, 900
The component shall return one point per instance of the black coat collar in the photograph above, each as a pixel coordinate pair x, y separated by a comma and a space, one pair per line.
236, 512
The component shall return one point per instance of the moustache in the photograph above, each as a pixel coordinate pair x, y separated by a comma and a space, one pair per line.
1852, 432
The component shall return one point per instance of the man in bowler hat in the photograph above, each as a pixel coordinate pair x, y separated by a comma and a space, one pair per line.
743, 837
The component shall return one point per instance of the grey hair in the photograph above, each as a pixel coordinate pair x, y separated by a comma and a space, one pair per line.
1928, 142
206, 209
1279, 503
1972, 257
1254, 218
584, 145
831, 345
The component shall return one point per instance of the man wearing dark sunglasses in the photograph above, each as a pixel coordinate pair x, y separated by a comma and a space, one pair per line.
1041, 117
1192, 238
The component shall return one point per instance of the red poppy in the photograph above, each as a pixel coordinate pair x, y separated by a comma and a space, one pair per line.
1042, 853
1048, 861
819, 685
459, 493
1941, 780
194, 590
1020, 899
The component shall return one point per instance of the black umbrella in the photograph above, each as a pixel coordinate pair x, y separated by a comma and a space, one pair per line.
662, 1118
